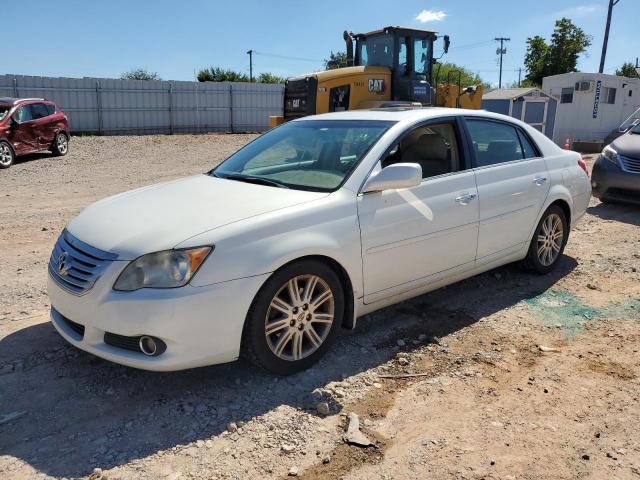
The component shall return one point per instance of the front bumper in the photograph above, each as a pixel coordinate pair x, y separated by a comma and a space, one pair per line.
200, 325
610, 182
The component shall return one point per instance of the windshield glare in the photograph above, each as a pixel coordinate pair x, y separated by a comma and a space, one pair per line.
4, 110
307, 155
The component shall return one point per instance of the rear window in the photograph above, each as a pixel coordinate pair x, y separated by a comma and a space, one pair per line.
39, 110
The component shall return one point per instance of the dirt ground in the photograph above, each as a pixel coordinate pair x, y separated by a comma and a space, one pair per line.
519, 376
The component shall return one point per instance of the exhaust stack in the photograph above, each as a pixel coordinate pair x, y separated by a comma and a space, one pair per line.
349, 44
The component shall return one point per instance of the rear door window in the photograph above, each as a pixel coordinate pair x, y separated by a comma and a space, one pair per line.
494, 142
51, 108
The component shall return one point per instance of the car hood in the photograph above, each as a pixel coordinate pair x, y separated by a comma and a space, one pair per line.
628, 145
159, 217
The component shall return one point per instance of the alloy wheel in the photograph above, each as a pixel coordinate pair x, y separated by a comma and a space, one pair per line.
299, 317
6, 156
62, 142
550, 237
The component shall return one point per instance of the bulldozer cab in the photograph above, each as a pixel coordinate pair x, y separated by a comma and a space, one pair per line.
407, 52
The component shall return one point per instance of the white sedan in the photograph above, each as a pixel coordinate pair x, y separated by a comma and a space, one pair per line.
308, 227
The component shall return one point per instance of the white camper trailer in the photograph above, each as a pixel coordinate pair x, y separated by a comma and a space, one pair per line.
592, 105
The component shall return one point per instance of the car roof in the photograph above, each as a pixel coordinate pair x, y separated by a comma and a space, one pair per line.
16, 101
399, 114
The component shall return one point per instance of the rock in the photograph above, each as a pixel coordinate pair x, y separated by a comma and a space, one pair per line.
591, 286
326, 459
96, 474
354, 436
403, 361
293, 471
585, 457
287, 448
323, 408
542, 348
232, 427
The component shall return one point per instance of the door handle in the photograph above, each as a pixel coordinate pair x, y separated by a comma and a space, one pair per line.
465, 199
539, 180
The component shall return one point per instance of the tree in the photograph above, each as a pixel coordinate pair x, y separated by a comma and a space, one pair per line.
535, 59
568, 41
627, 70
267, 77
140, 74
335, 60
218, 74
452, 73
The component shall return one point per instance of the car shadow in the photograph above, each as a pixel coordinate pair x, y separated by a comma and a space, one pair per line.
79, 412
619, 212
33, 156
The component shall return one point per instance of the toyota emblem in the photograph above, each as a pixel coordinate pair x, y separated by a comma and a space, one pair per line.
63, 264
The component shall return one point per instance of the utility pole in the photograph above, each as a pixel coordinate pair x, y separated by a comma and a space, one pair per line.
612, 3
519, 76
250, 52
501, 51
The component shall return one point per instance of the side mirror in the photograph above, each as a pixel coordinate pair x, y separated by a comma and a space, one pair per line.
398, 175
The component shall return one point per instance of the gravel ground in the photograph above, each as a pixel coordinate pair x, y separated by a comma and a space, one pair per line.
520, 376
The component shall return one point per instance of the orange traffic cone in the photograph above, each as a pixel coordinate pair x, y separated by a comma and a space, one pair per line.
567, 144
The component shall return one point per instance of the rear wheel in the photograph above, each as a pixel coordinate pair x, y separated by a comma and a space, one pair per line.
60, 145
294, 318
548, 241
6, 155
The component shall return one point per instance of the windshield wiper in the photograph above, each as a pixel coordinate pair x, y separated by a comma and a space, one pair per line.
252, 179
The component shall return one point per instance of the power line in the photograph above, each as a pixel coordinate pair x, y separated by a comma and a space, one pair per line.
286, 57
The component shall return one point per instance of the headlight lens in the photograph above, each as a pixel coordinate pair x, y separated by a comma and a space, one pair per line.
610, 154
168, 269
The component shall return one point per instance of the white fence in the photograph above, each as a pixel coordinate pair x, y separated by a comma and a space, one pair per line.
119, 107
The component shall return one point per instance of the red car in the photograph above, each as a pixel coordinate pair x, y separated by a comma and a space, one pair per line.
31, 125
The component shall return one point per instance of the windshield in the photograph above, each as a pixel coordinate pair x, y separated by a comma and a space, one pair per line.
4, 110
307, 155
376, 50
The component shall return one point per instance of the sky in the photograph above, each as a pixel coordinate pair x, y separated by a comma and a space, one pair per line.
93, 38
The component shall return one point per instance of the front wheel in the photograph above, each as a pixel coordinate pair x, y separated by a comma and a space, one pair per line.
294, 318
548, 241
60, 145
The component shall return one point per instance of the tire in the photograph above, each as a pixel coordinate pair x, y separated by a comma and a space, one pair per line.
7, 156
548, 242
60, 145
299, 334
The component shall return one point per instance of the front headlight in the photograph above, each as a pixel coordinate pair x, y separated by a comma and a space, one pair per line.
168, 269
610, 154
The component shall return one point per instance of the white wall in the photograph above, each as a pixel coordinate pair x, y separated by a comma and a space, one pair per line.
576, 120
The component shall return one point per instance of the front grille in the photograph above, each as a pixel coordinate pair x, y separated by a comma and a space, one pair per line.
76, 266
121, 341
631, 165
300, 97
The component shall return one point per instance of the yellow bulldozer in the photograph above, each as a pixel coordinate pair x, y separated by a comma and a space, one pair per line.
390, 67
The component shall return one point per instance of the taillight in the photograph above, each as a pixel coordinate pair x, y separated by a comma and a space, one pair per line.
583, 166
